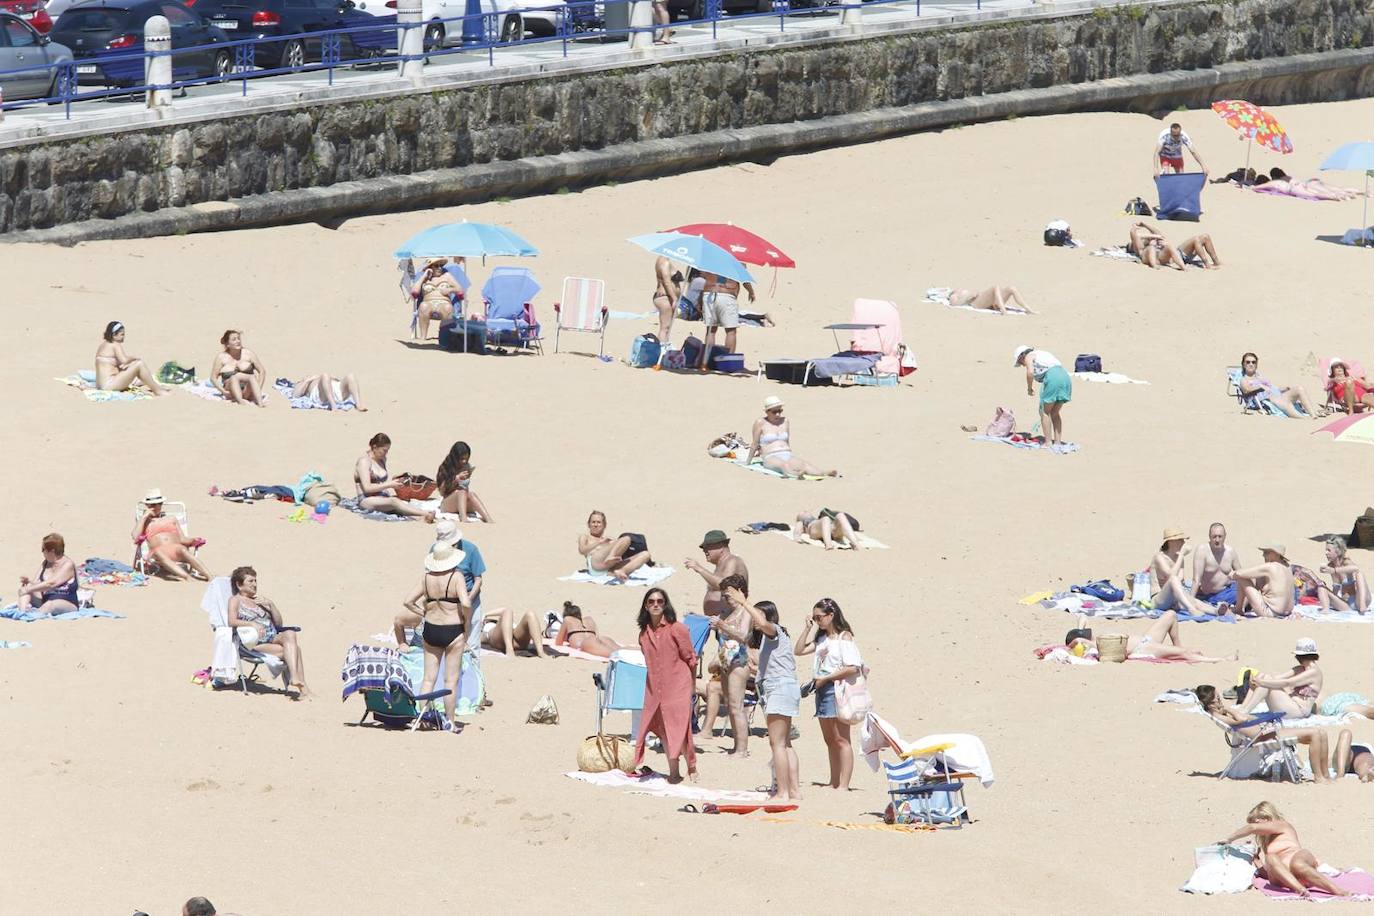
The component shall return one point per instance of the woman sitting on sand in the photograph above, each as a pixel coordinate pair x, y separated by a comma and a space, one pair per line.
1282, 858
454, 479
165, 545
994, 298
1255, 391
500, 633
619, 557
1317, 741
1294, 694
441, 599
773, 447
249, 609
236, 371
329, 392
377, 488
1081, 642
434, 289
54, 591
1354, 394
827, 526
1349, 591
116, 370
581, 634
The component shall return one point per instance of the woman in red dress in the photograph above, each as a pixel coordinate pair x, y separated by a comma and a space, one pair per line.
671, 681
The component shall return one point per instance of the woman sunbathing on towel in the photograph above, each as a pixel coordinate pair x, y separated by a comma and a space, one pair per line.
1317, 741
1282, 858
1149, 245
826, 526
116, 370
1081, 642
993, 298
236, 372
376, 487
54, 591
500, 633
772, 446
454, 478
328, 391
619, 557
1355, 759
581, 634
249, 609
165, 544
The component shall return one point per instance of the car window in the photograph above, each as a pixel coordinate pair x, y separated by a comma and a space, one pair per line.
330, 6
178, 16
92, 20
19, 34
299, 4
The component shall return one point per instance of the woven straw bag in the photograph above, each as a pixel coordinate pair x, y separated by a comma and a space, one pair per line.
602, 753
1111, 647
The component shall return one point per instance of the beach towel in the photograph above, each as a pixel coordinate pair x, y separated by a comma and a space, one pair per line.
644, 576
15, 644
1220, 869
1075, 603
97, 571
12, 612
84, 382
1021, 440
1315, 613
1110, 378
966, 753
1357, 881
351, 504
286, 386
1180, 195
1062, 655
940, 296
1300, 191
1115, 252
630, 316
759, 467
657, 784
472, 687
207, 392
864, 540
570, 652
373, 668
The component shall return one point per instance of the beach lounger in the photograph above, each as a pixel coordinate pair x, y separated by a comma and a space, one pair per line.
621, 687
938, 800
1251, 403
581, 308
876, 354
176, 511
510, 322
1265, 754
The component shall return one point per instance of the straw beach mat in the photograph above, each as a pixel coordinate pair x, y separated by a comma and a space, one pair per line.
1111, 647
602, 753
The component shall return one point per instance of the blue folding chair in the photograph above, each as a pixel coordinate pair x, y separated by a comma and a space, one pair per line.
699, 628
1264, 752
929, 801
510, 321
621, 687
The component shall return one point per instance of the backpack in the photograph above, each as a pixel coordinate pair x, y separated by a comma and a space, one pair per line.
1101, 589
645, 351
1003, 424
1087, 362
1057, 238
172, 374
1138, 207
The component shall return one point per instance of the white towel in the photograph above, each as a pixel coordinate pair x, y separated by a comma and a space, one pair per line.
1314, 612
658, 785
967, 754
864, 540
1111, 378
644, 576
1220, 870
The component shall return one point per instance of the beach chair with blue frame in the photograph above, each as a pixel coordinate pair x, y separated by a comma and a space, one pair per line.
937, 801
509, 294
621, 687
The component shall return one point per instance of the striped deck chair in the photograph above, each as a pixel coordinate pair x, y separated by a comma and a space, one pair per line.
582, 308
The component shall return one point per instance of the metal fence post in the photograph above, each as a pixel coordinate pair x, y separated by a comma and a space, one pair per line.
157, 61
641, 17
410, 39
852, 14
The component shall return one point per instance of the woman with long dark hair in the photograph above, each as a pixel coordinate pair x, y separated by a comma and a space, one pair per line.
376, 486
454, 478
779, 693
837, 659
670, 684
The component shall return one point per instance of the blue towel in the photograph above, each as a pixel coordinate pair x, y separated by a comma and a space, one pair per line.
1180, 196
842, 364
96, 566
308, 480
12, 612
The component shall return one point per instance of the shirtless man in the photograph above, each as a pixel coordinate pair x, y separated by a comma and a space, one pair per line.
716, 546
720, 309
1274, 598
666, 293
1171, 592
617, 557
1212, 570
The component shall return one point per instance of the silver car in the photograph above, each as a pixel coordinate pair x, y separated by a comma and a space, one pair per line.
22, 47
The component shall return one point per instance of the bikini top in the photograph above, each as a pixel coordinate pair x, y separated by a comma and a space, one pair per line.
773, 437
445, 598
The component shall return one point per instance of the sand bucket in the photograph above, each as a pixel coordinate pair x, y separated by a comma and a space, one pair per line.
1111, 647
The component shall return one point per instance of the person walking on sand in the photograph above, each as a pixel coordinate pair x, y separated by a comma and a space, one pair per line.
716, 546
1169, 148
1212, 570
669, 686
1056, 389
1282, 858
666, 293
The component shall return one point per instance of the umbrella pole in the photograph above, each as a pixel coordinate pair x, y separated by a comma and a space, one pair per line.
1364, 216
1248, 147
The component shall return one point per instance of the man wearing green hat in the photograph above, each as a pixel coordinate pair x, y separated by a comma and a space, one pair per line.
716, 547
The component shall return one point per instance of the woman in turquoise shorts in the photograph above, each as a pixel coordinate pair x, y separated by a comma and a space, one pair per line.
1056, 389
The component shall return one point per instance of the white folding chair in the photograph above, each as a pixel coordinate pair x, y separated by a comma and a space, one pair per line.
581, 308
176, 511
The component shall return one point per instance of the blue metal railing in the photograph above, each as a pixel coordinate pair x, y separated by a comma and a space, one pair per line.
122, 72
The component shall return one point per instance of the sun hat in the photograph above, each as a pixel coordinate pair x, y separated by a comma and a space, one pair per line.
1061, 225
1305, 646
1173, 534
446, 532
443, 557
715, 538
152, 497
436, 261
771, 402
1277, 547
1336, 361
1019, 353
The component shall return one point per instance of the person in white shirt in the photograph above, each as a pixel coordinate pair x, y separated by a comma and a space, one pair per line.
828, 636
1056, 388
1169, 150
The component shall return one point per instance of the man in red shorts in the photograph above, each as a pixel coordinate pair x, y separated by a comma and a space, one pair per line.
1169, 150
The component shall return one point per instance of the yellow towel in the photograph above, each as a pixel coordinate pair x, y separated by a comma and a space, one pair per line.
1036, 597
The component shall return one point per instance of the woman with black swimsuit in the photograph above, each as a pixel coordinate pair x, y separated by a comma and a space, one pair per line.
447, 613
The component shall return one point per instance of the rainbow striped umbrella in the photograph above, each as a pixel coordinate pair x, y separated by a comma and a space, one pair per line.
1255, 124
1352, 428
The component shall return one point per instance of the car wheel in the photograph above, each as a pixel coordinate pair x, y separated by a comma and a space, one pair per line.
293, 55
696, 11
513, 30
224, 63
434, 36
63, 81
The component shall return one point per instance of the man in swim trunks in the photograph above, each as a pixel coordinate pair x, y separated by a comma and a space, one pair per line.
666, 293
720, 309
716, 547
1212, 570
1266, 589
1169, 150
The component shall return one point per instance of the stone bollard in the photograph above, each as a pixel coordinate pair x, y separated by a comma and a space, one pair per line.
410, 42
157, 68
852, 15
641, 17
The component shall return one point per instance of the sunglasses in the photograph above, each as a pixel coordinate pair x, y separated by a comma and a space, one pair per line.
653, 601
1249, 362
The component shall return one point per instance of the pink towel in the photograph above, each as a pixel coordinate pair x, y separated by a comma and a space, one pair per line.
1357, 881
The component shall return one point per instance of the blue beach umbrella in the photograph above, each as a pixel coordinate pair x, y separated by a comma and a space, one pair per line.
469, 240
1354, 157
694, 251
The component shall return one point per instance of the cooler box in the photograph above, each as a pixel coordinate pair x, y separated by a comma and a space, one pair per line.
470, 338
727, 362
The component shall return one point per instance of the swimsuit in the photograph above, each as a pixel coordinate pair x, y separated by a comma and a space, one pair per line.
64, 592
163, 524
441, 635
783, 454
256, 615
372, 472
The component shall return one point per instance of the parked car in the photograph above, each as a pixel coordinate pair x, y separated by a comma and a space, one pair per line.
696, 9
106, 38
512, 23
31, 11
21, 47
265, 19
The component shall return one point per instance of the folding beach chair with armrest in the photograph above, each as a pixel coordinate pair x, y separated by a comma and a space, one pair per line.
932, 799
176, 511
403, 709
509, 293
1266, 753
1250, 403
621, 687
582, 308
229, 650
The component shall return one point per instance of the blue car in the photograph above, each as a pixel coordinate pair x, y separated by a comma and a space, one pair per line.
106, 39
272, 19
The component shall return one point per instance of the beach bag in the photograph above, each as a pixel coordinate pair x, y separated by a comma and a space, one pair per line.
1087, 362
688, 310
172, 374
645, 351
638, 544
543, 712
1138, 207
674, 359
691, 351
603, 753
415, 486
1111, 647
318, 493
1003, 424
1362, 533
852, 700
1102, 589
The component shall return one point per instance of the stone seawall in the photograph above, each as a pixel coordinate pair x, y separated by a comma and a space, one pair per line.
112, 177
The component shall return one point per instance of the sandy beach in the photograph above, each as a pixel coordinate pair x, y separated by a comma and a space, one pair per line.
128, 787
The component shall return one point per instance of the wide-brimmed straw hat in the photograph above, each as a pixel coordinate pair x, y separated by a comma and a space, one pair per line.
1306, 646
1172, 534
443, 557
772, 402
1020, 353
153, 497
446, 532
436, 262
1277, 547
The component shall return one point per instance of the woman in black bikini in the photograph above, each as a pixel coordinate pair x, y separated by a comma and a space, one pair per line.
582, 635
447, 613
